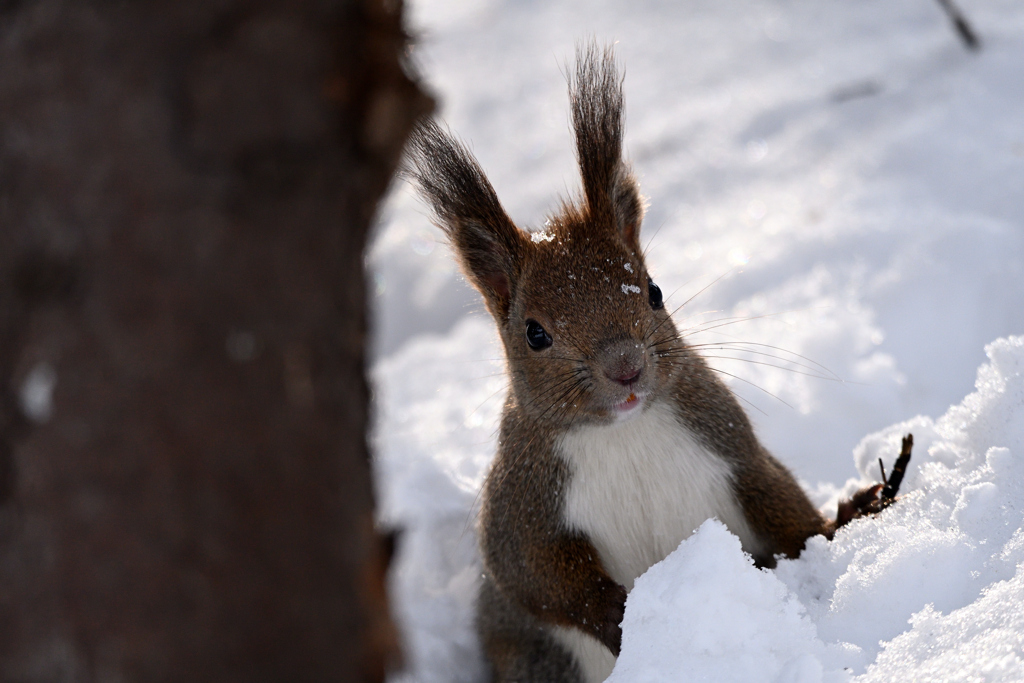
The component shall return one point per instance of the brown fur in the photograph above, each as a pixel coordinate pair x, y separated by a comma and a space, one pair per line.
576, 286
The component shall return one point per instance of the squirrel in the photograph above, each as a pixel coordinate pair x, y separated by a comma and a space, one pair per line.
617, 440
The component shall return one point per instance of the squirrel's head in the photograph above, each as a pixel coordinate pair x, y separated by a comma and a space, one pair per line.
584, 326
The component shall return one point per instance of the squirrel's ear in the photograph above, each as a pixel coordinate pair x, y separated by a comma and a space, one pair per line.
487, 243
609, 187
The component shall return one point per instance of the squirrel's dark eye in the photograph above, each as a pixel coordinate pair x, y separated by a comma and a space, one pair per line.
654, 295
536, 336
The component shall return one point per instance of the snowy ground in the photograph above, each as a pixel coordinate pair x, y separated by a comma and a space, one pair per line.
858, 179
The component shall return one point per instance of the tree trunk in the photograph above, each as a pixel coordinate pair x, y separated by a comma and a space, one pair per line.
185, 192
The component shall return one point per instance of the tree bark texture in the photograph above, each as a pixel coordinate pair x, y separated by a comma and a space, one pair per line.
185, 192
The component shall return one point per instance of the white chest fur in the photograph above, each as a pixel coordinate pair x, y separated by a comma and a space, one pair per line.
637, 489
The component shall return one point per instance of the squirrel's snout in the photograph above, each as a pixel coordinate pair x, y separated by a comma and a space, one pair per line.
623, 362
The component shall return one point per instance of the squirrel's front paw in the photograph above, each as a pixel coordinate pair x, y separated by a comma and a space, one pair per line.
863, 503
609, 629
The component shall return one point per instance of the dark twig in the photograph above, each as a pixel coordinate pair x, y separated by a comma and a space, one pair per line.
892, 486
962, 26
873, 499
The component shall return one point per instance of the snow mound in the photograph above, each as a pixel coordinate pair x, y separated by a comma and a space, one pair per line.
704, 610
955, 535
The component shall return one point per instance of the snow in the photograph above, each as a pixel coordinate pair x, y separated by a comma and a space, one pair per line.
438, 402
706, 611
834, 188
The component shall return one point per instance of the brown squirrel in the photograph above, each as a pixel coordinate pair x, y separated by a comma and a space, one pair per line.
617, 440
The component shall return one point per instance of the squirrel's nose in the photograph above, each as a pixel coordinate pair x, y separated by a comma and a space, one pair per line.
622, 361
624, 375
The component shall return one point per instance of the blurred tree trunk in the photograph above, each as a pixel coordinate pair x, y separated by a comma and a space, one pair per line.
185, 191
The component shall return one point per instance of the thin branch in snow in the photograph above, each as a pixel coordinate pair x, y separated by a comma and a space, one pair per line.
892, 486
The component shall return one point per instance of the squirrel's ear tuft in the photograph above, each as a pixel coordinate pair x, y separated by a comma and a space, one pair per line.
487, 243
609, 187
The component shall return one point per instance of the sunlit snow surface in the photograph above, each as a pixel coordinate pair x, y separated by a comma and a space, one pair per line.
858, 179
